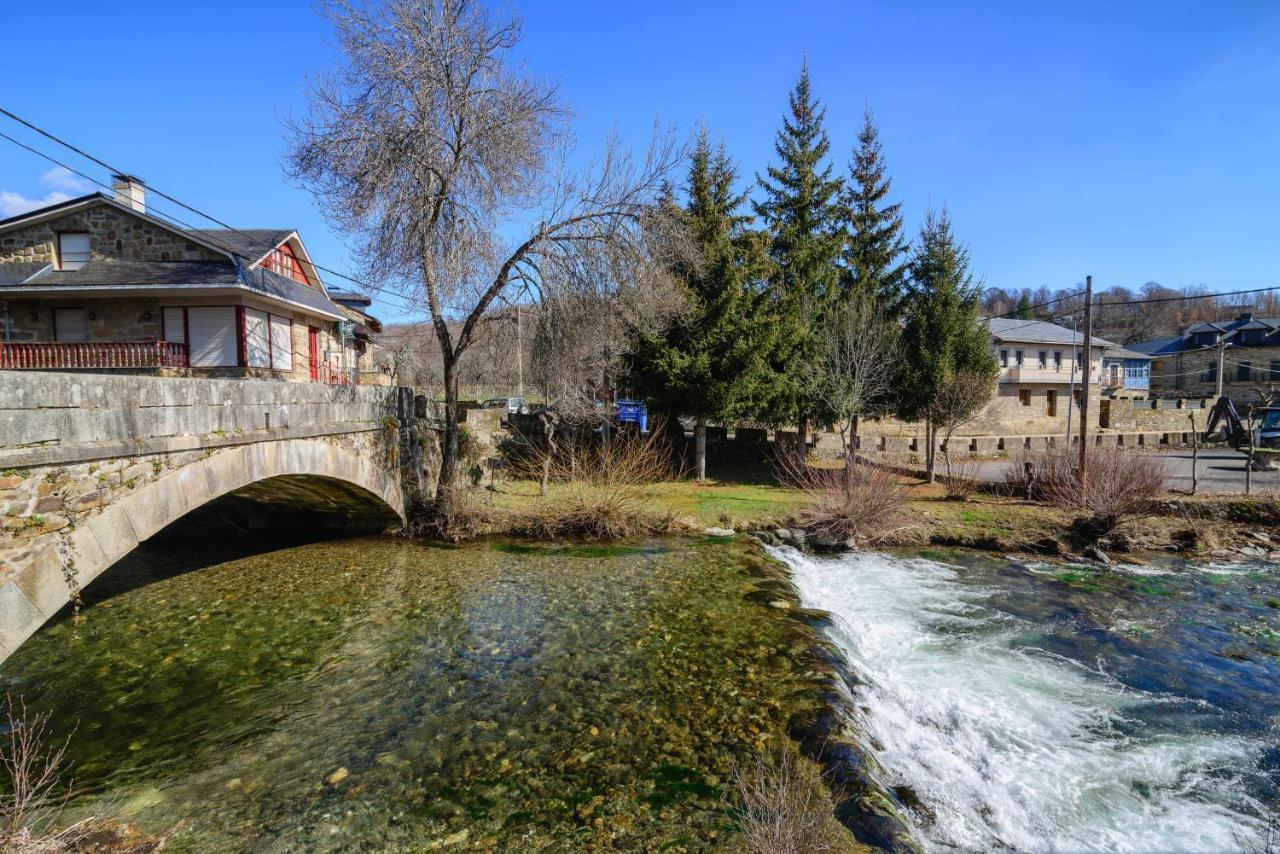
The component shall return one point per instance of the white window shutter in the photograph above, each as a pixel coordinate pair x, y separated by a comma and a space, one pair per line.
70, 324
255, 337
281, 343
213, 336
175, 327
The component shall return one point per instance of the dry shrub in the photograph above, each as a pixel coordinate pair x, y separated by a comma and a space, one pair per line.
603, 497
1120, 483
785, 808
458, 515
858, 502
32, 786
961, 480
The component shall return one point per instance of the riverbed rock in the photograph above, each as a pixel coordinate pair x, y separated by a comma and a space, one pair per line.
828, 543
1095, 553
337, 776
782, 534
718, 532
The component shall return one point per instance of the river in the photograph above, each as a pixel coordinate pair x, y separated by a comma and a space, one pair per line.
377, 694
1035, 707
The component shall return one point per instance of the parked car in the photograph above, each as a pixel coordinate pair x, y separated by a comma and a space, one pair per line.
513, 405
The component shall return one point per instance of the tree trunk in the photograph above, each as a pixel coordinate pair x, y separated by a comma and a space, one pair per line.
449, 453
930, 439
802, 440
851, 452
700, 447
549, 434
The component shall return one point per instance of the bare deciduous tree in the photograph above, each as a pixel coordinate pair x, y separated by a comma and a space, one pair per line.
956, 403
449, 163
858, 365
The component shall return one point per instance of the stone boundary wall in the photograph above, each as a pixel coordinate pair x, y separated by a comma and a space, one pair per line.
61, 417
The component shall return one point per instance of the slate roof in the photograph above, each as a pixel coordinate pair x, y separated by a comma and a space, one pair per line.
246, 242
124, 274
1037, 332
1123, 353
1228, 330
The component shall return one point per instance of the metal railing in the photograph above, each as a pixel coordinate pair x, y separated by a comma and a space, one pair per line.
104, 355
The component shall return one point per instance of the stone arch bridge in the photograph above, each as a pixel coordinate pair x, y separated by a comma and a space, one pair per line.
92, 464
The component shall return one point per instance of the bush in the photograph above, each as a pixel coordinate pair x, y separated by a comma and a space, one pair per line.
858, 502
1120, 483
961, 479
603, 496
785, 807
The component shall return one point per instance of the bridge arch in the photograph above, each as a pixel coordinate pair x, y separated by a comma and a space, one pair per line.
45, 586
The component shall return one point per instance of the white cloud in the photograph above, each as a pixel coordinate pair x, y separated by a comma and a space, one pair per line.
64, 180
61, 183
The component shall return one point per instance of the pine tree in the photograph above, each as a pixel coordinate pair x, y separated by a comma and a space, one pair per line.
802, 214
942, 335
1023, 310
874, 252
710, 364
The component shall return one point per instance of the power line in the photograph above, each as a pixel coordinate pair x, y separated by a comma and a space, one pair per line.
159, 193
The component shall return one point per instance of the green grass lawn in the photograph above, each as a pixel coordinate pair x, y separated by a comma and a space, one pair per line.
700, 504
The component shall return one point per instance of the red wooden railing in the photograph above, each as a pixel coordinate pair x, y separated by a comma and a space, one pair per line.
333, 375
92, 354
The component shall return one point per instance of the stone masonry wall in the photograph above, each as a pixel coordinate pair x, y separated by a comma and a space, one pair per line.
44, 410
114, 235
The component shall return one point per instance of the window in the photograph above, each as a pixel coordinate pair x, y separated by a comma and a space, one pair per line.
73, 250
213, 336
1024, 396
284, 262
1044, 359
1244, 372
70, 324
281, 343
1057, 360
1017, 358
173, 320
1206, 339
1275, 370
257, 340
1051, 403
1004, 358
1211, 373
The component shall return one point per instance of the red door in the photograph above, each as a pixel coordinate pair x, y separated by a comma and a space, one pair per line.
313, 352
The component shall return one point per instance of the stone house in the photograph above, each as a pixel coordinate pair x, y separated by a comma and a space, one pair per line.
1036, 379
96, 283
1186, 365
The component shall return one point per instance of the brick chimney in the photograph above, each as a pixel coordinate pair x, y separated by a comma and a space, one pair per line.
130, 191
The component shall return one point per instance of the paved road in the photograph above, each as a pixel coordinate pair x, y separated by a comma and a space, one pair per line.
1219, 471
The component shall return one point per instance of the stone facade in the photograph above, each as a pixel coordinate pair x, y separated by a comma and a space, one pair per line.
114, 235
1193, 373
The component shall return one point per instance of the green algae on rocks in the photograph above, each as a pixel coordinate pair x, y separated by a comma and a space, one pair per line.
377, 694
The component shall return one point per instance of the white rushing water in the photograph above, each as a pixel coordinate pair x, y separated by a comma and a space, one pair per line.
1010, 746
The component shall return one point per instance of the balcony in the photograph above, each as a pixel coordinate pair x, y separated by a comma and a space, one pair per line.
93, 355
1030, 374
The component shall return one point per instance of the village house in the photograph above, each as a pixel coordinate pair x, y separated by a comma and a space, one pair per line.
1036, 379
96, 283
1186, 365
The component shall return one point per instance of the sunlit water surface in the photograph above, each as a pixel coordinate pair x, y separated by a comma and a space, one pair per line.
380, 695
1040, 708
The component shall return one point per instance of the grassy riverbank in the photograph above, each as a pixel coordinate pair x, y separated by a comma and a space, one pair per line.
747, 498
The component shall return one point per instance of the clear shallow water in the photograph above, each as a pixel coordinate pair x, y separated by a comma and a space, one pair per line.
378, 695
1043, 708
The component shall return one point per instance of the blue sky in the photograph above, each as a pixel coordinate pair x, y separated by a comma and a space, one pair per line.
1134, 141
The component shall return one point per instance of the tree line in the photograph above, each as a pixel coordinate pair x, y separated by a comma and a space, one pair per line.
805, 303
451, 169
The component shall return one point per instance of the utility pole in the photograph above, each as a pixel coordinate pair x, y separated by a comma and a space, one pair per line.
1084, 384
1071, 391
1222, 350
